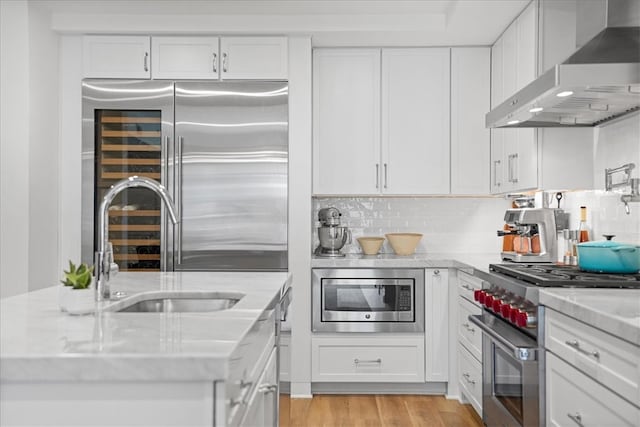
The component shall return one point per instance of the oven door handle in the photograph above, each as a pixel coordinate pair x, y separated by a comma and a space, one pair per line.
520, 352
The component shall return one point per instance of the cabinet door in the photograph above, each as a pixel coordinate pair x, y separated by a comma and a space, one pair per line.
436, 327
497, 92
254, 58
509, 61
262, 404
346, 121
415, 121
116, 57
470, 139
526, 42
184, 57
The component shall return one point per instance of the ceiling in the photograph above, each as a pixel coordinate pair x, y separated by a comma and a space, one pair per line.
329, 22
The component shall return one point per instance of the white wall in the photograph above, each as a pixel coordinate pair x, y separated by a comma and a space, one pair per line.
43, 150
14, 148
29, 149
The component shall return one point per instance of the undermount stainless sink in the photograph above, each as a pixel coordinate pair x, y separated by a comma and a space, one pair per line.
189, 303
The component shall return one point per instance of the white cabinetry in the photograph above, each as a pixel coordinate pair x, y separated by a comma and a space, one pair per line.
368, 358
254, 58
365, 146
116, 57
261, 405
469, 342
436, 324
184, 57
592, 377
346, 121
514, 152
167, 57
470, 139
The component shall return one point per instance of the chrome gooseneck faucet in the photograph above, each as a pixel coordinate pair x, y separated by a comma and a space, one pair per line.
104, 265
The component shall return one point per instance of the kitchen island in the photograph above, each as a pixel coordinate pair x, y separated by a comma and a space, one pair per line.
140, 368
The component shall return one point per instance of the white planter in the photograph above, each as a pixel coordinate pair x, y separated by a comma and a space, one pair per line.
76, 301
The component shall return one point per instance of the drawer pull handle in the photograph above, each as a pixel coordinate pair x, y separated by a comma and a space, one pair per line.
467, 287
576, 418
575, 344
468, 328
358, 361
468, 378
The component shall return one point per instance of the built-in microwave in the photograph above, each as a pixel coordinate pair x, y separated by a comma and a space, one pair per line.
367, 300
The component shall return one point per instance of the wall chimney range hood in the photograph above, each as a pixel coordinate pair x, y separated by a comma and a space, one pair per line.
599, 82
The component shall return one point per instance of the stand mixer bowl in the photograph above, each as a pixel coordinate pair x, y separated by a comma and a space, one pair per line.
332, 239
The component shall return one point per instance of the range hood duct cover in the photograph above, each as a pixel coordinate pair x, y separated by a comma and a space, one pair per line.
603, 74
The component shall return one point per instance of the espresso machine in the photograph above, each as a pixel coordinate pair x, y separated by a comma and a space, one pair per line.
535, 231
331, 234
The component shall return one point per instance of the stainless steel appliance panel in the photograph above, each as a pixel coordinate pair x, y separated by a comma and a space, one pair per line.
122, 95
368, 300
510, 371
231, 160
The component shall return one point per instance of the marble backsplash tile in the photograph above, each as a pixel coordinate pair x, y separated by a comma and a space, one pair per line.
453, 225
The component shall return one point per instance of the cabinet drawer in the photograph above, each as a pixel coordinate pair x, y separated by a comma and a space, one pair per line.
362, 359
574, 399
470, 381
468, 334
467, 284
609, 360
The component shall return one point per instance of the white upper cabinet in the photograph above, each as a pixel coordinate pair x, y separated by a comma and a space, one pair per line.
349, 154
470, 139
254, 58
117, 57
185, 57
165, 57
415, 121
346, 117
514, 152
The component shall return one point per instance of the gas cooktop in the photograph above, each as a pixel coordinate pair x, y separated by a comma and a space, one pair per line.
553, 275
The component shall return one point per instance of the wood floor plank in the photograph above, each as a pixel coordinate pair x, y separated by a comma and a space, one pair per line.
376, 411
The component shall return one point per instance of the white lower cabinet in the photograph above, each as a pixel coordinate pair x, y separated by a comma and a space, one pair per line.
574, 399
262, 404
436, 325
470, 378
285, 356
469, 339
358, 358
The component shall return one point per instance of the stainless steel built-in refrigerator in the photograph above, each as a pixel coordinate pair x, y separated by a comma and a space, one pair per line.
220, 148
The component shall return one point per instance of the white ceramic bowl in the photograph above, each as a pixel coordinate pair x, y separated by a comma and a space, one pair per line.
404, 243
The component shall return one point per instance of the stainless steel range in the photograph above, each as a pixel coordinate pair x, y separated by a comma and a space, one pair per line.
512, 324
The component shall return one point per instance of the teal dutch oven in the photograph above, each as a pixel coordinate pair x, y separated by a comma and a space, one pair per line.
606, 256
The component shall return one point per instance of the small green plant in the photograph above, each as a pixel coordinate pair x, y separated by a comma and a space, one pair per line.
78, 278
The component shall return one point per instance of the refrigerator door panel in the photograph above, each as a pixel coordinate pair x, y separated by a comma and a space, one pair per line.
231, 175
127, 129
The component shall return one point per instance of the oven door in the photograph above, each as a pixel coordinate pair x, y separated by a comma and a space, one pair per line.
510, 386
375, 300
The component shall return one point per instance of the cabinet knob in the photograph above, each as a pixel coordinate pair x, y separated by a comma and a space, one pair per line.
436, 272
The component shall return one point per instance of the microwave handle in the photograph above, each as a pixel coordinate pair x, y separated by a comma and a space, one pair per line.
519, 352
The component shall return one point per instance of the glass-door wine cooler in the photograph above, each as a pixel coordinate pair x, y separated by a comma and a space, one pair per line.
126, 132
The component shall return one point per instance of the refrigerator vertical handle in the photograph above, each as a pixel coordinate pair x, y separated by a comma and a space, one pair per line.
164, 180
178, 160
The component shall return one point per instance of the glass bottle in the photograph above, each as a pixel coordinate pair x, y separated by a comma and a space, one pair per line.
584, 230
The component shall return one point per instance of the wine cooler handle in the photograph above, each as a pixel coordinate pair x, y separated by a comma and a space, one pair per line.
165, 181
179, 197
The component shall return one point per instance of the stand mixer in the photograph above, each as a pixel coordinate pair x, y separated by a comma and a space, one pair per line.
331, 234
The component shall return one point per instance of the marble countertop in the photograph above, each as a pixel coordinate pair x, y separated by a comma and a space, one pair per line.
39, 342
476, 261
616, 311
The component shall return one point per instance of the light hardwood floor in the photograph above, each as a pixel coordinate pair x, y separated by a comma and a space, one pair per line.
376, 411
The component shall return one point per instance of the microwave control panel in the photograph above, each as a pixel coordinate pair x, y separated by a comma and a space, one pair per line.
404, 298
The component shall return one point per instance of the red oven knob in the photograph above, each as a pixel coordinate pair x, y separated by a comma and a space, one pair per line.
476, 294
522, 319
497, 305
513, 315
488, 301
506, 311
